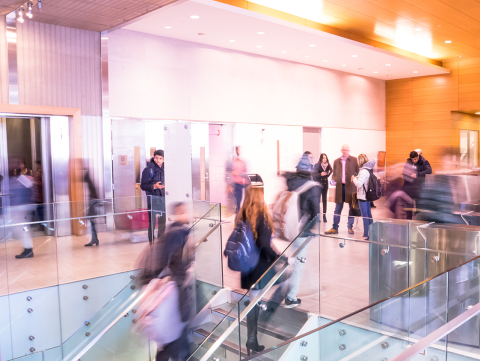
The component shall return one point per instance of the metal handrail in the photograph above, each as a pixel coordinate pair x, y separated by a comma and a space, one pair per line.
253, 303
299, 337
436, 335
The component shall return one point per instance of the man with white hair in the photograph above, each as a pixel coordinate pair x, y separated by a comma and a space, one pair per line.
343, 169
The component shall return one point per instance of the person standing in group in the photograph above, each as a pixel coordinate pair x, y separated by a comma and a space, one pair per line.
153, 184
343, 169
239, 170
414, 172
323, 170
361, 182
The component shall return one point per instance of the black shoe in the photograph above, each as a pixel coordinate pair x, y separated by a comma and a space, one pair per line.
291, 304
252, 345
92, 242
27, 253
324, 218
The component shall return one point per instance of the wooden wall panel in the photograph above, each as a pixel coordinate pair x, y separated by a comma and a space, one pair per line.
437, 112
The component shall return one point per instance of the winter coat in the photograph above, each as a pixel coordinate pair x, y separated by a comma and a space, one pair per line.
322, 179
413, 186
151, 175
361, 181
351, 167
267, 254
309, 200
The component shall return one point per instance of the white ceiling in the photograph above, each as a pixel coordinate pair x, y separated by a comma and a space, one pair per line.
221, 23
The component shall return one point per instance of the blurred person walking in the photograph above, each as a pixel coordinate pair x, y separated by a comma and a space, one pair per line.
239, 172
92, 208
343, 169
172, 257
38, 193
153, 184
323, 170
414, 172
254, 214
361, 182
21, 184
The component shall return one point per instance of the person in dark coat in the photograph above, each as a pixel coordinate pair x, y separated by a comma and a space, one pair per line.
255, 214
92, 208
414, 172
343, 169
323, 170
153, 183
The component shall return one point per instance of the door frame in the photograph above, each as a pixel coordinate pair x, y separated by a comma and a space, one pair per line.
76, 156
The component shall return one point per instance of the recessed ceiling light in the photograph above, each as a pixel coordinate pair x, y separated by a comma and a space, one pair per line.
375, 72
283, 51
194, 17
477, 113
259, 46
418, 29
448, 41
312, 45
415, 71
232, 41
325, 61
354, 56
306, 56
167, 27
344, 64
388, 64
260, 33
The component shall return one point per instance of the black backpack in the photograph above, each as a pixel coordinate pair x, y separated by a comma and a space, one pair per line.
373, 191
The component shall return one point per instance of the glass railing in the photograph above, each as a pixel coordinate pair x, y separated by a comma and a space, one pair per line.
437, 319
54, 296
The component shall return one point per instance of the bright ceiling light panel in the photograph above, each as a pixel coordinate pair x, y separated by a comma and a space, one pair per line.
312, 45
260, 33
259, 46
167, 27
418, 29
448, 41
194, 17
232, 41
283, 51
388, 64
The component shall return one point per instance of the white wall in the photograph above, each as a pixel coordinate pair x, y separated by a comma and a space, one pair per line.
162, 78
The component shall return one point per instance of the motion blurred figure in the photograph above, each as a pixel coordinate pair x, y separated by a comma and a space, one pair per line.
153, 184
239, 170
414, 173
38, 192
92, 208
21, 201
172, 256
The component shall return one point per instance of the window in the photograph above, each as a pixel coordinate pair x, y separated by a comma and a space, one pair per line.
468, 148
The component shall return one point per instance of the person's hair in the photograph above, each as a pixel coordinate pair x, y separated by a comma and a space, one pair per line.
307, 152
321, 158
158, 152
174, 207
362, 159
39, 162
253, 206
24, 161
413, 154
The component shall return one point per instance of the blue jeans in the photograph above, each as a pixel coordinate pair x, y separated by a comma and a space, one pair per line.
366, 210
238, 194
338, 211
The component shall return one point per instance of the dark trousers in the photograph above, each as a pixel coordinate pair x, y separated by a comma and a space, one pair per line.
156, 206
92, 212
238, 194
324, 198
175, 351
338, 211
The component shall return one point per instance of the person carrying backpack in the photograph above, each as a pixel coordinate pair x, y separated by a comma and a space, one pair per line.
362, 183
153, 184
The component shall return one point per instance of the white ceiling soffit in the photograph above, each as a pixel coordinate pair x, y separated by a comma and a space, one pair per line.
238, 29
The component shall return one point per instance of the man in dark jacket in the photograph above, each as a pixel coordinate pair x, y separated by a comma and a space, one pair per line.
414, 172
153, 183
343, 169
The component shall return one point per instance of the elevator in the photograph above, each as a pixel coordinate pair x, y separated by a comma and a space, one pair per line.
38, 149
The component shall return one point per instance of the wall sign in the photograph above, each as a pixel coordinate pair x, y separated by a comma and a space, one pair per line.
122, 160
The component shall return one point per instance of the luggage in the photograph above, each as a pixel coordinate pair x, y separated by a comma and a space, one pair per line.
159, 315
241, 250
287, 211
373, 191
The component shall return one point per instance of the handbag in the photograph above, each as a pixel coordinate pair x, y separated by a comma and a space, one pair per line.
355, 204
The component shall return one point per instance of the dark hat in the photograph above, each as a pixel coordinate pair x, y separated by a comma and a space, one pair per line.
158, 152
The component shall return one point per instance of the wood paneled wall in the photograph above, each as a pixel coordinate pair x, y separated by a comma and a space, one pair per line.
419, 112
59, 66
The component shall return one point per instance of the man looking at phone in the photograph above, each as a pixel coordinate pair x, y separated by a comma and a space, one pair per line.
153, 183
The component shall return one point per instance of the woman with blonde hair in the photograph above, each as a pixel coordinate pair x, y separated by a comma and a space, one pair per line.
255, 215
361, 182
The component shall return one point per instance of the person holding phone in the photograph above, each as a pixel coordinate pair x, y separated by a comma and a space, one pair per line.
153, 183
